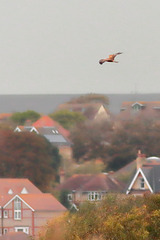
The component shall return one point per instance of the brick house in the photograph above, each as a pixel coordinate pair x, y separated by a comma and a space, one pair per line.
24, 208
90, 187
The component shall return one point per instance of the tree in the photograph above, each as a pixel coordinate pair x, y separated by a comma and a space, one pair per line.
28, 155
117, 217
91, 98
91, 140
20, 117
63, 198
67, 119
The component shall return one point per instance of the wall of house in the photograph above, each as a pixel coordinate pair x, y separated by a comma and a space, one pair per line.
66, 152
83, 196
10, 223
137, 184
42, 217
102, 113
33, 220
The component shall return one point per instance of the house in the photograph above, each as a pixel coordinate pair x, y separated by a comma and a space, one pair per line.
89, 187
141, 109
92, 111
146, 178
46, 121
24, 208
50, 133
65, 148
53, 135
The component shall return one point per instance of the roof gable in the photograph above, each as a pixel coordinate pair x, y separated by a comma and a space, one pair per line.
17, 196
139, 171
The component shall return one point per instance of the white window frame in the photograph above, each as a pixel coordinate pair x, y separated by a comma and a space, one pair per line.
70, 197
17, 209
5, 230
94, 196
142, 182
22, 229
5, 213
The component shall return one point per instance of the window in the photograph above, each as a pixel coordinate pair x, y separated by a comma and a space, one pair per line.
22, 229
10, 192
24, 191
5, 230
5, 214
137, 107
70, 197
17, 209
142, 183
94, 196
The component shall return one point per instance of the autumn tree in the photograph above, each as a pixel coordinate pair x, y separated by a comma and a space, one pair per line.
20, 117
28, 155
91, 140
67, 118
91, 98
117, 217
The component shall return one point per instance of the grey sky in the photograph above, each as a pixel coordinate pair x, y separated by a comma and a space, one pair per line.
53, 46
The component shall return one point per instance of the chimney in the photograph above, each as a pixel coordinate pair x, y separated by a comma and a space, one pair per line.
140, 159
61, 176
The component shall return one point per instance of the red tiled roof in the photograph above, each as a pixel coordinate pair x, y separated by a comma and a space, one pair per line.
4, 116
17, 185
88, 182
46, 121
15, 236
4, 199
43, 202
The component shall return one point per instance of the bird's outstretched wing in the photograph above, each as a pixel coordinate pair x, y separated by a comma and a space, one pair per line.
117, 53
110, 58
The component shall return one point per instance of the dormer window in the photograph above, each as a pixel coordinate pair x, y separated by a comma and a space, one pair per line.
10, 192
24, 191
137, 106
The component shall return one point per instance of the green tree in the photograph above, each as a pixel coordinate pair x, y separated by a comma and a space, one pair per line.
67, 118
20, 117
63, 198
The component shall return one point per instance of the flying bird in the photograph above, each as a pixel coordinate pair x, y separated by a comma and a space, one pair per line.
110, 58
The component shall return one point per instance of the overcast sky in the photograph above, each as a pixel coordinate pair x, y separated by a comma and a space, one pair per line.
53, 46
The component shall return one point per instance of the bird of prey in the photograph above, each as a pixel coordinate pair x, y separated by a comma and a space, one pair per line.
110, 58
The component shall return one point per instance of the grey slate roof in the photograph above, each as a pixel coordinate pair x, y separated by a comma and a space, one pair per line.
50, 133
152, 173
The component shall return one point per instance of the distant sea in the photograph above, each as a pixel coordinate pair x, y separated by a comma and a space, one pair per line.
47, 103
